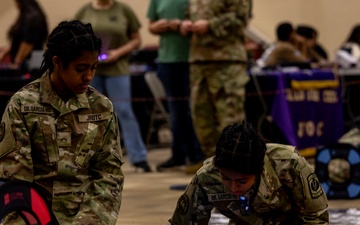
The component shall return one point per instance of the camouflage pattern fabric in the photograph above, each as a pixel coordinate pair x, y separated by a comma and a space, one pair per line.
288, 193
217, 100
339, 171
71, 149
225, 39
218, 67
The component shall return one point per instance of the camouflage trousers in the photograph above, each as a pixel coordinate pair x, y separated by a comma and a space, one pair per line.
217, 99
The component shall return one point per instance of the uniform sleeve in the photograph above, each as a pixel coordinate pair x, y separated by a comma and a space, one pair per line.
79, 14
15, 147
103, 199
235, 15
134, 23
309, 198
151, 12
193, 206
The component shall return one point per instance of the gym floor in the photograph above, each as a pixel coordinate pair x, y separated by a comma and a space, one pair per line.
148, 199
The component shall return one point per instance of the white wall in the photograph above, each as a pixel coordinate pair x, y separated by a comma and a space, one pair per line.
332, 18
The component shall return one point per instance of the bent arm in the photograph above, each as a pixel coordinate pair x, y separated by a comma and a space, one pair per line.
132, 44
193, 206
23, 52
236, 17
310, 200
103, 198
15, 147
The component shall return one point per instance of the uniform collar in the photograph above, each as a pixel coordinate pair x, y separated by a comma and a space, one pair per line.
49, 96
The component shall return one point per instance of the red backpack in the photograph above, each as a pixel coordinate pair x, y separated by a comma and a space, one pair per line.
26, 200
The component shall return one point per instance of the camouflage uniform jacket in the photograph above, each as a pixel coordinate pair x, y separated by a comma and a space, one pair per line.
288, 193
71, 149
225, 38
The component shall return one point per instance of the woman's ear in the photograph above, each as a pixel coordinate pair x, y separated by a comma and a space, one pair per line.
57, 62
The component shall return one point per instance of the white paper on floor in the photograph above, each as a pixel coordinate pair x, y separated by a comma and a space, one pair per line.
337, 217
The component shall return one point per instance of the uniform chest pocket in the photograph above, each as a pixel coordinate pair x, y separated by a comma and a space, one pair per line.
89, 145
42, 132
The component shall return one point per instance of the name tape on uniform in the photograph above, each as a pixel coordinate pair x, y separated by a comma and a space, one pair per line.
36, 109
94, 117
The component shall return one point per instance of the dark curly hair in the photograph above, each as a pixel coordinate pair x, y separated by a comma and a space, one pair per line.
240, 148
284, 30
68, 41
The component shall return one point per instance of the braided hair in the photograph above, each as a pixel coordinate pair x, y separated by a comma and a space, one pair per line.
68, 41
240, 148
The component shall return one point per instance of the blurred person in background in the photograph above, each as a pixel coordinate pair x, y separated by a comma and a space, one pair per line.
218, 66
28, 33
352, 43
173, 70
118, 27
314, 52
288, 48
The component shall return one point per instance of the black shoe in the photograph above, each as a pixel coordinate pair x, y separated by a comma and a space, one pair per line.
143, 166
169, 164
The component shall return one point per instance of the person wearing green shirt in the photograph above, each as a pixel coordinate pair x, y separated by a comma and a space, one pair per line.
118, 27
173, 70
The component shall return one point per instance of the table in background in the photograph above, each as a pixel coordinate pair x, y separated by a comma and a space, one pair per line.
304, 117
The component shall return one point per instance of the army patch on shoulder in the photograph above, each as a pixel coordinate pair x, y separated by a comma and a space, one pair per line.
183, 204
314, 186
2, 131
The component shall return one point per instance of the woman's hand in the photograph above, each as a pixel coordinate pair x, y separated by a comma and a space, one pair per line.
200, 27
159, 26
131, 45
186, 27
174, 24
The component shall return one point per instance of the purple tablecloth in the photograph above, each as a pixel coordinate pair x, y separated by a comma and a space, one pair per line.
307, 116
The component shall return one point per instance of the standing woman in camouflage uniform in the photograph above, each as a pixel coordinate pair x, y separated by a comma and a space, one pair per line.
253, 183
218, 65
61, 134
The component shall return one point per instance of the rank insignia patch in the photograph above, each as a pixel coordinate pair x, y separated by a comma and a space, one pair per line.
2, 131
183, 204
314, 186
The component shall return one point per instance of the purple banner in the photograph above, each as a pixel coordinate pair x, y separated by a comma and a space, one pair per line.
308, 116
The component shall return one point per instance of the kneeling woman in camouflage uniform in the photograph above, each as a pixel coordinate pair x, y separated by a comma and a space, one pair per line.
251, 182
61, 134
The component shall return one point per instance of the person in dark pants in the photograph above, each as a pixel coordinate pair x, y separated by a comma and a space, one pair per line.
173, 70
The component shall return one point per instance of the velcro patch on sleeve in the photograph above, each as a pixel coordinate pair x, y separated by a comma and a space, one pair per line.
94, 117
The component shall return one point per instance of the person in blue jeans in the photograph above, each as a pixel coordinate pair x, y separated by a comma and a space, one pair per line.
118, 89
118, 27
173, 70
